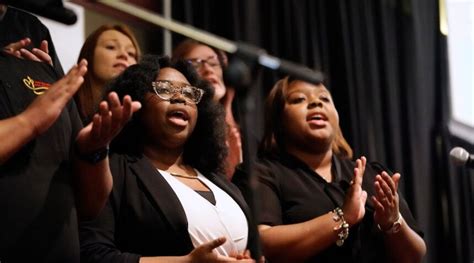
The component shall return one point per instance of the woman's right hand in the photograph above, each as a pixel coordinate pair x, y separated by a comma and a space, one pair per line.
18, 49
204, 253
354, 205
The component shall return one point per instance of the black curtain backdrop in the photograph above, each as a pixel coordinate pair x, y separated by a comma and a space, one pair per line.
386, 66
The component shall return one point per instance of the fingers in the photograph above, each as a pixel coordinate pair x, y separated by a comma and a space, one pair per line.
106, 120
386, 186
213, 244
26, 54
16, 46
396, 178
359, 170
42, 56
378, 205
44, 46
117, 113
19, 50
363, 197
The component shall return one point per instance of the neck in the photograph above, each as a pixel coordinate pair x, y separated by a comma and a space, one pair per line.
166, 159
320, 162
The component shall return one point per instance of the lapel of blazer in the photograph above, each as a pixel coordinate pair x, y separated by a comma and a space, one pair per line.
161, 193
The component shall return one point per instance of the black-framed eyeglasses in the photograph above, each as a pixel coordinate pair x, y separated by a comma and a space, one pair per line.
197, 63
166, 90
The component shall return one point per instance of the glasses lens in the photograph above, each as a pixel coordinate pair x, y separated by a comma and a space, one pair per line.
197, 63
212, 61
191, 93
165, 90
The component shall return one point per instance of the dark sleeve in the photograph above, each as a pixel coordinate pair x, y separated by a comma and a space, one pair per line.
76, 122
407, 215
97, 237
268, 192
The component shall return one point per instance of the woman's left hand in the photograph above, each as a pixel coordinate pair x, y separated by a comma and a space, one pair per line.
107, 123
386, 200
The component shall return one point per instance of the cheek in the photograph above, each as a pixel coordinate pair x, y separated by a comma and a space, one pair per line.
219, 72
194, 116
99, 63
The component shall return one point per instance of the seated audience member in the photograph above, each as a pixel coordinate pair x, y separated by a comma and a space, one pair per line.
313, 198
209, 63
170, 200
110, 49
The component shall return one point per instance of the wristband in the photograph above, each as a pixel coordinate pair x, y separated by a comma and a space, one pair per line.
93, 157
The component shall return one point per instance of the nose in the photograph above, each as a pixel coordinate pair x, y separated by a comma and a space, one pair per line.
314, 103
123, 54
178, 98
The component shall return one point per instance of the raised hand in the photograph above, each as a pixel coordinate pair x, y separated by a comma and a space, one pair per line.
107, 123
386, 199
45, 109
354, 205
18, 49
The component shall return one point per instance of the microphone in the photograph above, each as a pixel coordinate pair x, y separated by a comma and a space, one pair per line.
461, 157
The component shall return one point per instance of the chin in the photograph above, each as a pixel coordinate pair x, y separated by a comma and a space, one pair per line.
219, 92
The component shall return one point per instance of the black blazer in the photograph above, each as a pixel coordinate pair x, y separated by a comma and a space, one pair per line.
143, 216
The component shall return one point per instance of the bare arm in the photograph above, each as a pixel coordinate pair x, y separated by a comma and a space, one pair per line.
94, 180
299, 242
40, 114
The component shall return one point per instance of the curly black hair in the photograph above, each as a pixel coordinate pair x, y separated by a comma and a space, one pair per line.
205, 150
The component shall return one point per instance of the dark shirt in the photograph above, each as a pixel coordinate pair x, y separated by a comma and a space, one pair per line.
38, 222
290, 192
18, 24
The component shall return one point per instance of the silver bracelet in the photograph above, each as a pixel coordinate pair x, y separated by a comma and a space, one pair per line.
342, 229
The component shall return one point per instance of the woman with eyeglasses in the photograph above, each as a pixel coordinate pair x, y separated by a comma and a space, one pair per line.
316, 204
209, 63
170, 201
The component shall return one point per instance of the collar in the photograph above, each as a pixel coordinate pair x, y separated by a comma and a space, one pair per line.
296, 163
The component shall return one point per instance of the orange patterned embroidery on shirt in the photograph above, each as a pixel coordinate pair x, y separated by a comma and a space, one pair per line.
38, 87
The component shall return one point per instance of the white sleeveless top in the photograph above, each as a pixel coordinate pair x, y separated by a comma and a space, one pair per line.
207, 222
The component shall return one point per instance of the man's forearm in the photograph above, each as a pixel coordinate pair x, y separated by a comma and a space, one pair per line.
15, 132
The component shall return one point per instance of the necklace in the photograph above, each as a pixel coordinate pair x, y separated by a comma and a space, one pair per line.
184, 176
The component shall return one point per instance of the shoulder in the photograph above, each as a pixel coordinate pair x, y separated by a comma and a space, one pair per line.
121, 163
